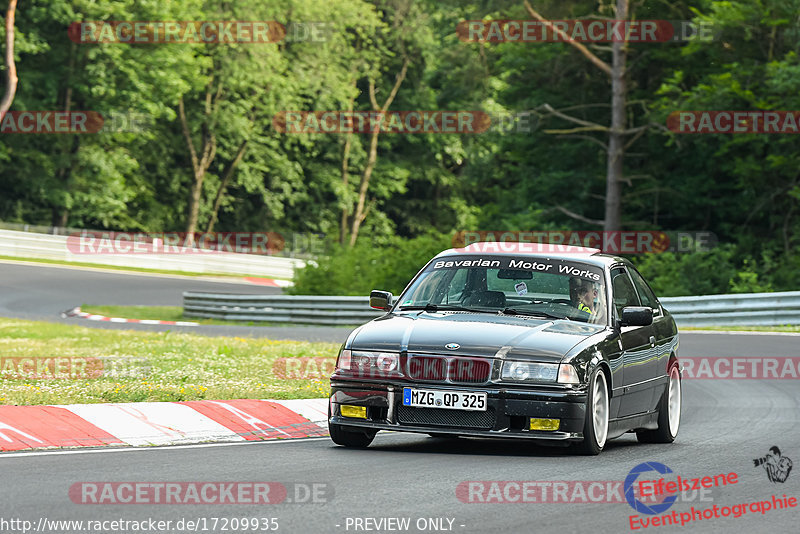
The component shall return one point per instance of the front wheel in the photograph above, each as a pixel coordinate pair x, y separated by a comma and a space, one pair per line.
595, 425
348, 438
669, 412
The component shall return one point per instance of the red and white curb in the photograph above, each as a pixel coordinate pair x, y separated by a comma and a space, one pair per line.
76, 312
270, 282
160, 423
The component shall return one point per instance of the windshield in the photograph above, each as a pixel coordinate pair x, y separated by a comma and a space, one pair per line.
515, 286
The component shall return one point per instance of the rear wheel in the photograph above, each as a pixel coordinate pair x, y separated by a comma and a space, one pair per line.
669, 411
595, 425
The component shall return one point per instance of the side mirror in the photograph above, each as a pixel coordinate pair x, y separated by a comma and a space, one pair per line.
636, 316
380, 300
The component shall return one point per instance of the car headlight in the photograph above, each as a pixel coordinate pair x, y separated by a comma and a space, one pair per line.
539, 372
529, 372
368, 364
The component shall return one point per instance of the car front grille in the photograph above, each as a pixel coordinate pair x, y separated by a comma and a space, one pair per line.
453, 369
441, 417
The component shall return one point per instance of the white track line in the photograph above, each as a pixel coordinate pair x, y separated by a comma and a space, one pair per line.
76, 312
164, 448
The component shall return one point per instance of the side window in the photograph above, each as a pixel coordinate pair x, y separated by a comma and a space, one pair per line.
624, 294
645, 293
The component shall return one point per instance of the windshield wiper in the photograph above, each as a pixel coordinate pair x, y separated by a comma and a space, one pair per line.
512, 311
451, 307
446, 307
427, 307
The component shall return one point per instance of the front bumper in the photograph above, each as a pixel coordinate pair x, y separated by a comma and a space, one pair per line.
507, 416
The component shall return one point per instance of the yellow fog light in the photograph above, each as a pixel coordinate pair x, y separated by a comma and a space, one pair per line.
544, 424
354, 411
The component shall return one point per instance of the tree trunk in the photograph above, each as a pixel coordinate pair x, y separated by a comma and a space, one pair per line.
345, 184
348, 143
194, 205
360, 213
59, 218
226, 178
11, 67
616, 137
617, 133
200, 164
60, 214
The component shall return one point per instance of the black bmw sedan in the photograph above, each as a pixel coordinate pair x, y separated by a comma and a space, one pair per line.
560, 344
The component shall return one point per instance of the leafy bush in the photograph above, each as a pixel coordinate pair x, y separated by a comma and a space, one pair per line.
369, 265
747, 280
390, 265
704, 273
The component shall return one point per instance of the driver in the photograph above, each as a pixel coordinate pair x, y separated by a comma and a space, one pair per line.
583, 295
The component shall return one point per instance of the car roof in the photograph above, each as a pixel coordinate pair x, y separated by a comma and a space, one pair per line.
592, 256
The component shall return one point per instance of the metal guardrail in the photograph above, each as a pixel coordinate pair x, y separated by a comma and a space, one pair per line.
55, 247
767, 309
745, 309
302, 245
279, 308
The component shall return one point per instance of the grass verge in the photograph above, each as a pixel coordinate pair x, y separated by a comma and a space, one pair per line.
172, 313
147, 366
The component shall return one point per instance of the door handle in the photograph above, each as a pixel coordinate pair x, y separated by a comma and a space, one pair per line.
652, 341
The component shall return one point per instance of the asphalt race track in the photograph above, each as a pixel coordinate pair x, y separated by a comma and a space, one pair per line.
42, 292
726, 424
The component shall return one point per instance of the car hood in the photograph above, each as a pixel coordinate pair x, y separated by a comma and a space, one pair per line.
477, 334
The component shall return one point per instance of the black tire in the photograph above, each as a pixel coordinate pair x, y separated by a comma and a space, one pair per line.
359, 439
666, 433
591, 444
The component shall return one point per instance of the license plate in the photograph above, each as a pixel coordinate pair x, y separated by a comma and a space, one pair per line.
451, 400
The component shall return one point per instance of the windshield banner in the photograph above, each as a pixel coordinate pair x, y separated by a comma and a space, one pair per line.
564, 268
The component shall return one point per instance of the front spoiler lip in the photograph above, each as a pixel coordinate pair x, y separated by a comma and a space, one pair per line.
502, 434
